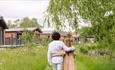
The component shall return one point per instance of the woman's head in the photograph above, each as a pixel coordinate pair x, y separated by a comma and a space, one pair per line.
55, 35
69, 34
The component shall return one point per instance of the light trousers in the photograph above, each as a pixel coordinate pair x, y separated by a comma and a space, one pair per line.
57, 66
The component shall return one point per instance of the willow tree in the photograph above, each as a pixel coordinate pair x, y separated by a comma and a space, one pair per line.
62, 13
101, 13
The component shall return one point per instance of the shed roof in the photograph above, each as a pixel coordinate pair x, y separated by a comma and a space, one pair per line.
22, 29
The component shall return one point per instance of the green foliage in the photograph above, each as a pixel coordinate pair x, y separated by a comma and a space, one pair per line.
96, 49
83, 50
94, 10
101, 13
102, 26
85, 31
26, 22
45, 42
60, 12
29, 38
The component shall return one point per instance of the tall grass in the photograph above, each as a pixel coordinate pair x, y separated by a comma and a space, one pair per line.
85, 62
35, 58
23, 59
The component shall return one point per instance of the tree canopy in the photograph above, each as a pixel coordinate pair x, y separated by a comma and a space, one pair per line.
101, 13
24, 22
60, 12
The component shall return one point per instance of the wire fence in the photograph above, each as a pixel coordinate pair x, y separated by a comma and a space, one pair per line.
12, 41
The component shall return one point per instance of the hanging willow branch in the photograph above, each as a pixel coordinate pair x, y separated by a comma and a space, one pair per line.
101, 13
61, 12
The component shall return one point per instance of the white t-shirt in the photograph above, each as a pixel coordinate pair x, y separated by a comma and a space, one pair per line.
56, 46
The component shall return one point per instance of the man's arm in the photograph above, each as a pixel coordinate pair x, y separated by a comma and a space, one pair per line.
60, 53
67, 49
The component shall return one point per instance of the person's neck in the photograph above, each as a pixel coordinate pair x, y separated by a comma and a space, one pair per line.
55, 40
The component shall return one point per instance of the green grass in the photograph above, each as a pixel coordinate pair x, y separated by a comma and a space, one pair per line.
23, 59
85, 62
36, 59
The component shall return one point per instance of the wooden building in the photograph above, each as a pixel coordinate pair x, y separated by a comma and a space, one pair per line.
3, 26
13, 35
47, 32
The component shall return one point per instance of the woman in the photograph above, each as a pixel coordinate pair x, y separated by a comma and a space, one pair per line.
69, 63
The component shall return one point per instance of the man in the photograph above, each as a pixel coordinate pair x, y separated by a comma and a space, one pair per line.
54, 49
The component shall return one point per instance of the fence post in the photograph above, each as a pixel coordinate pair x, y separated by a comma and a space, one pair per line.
11, 40
1, 43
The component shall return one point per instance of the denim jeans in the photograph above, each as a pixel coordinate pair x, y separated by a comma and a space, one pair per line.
57, 66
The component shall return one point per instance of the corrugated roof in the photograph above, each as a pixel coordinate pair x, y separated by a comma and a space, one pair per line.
20, 29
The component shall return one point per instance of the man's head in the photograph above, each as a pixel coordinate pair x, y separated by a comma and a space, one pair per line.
55, 35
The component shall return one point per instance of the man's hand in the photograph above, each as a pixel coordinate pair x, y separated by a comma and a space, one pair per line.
62, 52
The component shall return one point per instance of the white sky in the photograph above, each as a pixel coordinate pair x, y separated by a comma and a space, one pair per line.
17, 9
14, 9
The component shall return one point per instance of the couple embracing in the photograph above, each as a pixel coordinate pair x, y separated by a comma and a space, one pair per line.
60, 54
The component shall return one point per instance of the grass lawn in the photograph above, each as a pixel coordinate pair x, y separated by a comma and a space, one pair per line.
85, 62
36, 59
23, 59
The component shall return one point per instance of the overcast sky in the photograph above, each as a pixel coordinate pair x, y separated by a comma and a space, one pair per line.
17, 9
14, 9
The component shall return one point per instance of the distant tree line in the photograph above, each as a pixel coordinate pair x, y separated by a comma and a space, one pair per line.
24, 22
